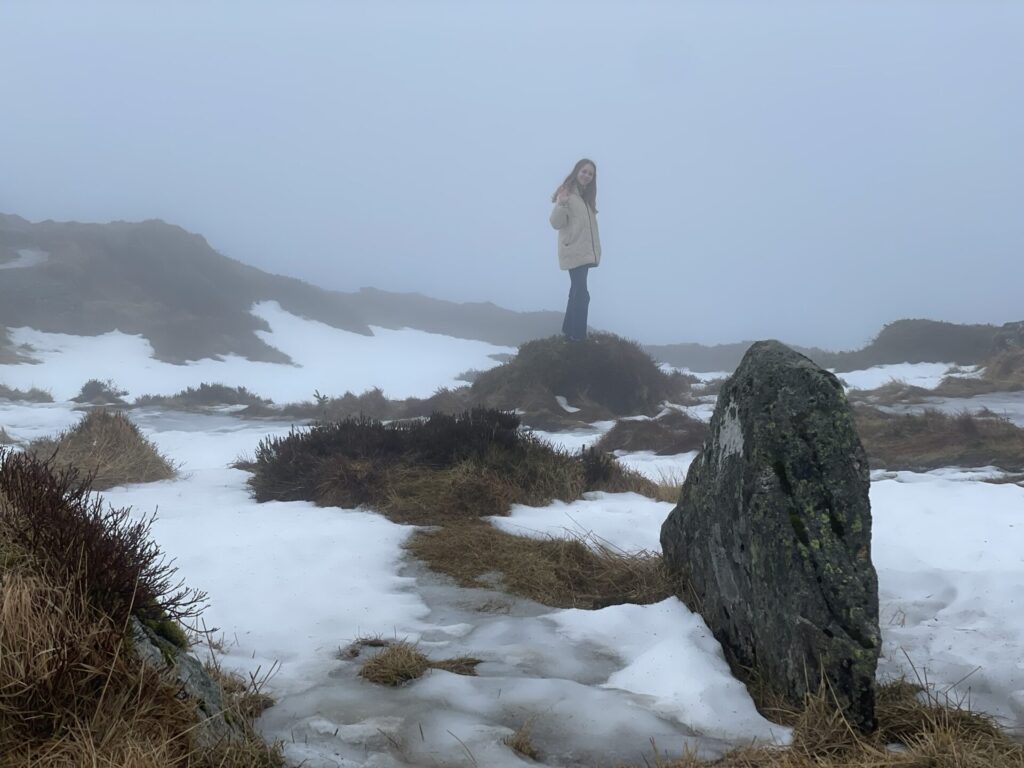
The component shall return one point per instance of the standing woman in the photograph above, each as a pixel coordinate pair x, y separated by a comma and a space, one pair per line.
579, 243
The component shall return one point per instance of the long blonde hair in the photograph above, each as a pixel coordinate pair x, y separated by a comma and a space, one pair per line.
589, 194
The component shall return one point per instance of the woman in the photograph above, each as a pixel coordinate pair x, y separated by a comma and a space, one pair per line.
579, 243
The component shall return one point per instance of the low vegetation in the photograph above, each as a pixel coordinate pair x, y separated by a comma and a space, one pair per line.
108, 447
33, 395
430, 471
932, 439
450, 471
204, 396
669, 434
605, 376
400, 662
560, 572
1004, 372
926, 727
72, 576
96, 392
901, 341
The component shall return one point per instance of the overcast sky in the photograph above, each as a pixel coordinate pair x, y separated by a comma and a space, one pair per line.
799, 170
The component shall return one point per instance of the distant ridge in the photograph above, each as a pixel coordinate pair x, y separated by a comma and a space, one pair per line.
902, 341
168, 285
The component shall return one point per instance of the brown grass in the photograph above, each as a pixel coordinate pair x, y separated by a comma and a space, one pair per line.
676, 432
521, 743
72, 693
1002, 373
669, 485
893, 392
109, 447
932, 439
563, 573
933, 732
402, 662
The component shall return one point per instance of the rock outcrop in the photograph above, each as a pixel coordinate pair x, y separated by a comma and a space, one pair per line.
772, 532
215, 726
1009, 337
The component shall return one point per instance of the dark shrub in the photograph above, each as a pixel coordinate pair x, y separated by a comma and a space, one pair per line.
74, 538
100, 393
605, 371
463, 466
205, 395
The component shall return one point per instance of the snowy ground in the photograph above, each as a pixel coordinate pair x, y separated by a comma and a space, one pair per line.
290, 583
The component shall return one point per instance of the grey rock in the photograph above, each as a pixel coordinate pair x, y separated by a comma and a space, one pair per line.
186, 671
772, 533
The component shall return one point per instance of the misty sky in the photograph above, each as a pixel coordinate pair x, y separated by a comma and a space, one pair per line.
799, 170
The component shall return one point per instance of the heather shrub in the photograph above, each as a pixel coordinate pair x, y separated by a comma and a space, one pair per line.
73, 690
205, 395
50, 516
96, 392
467, 465
604, 375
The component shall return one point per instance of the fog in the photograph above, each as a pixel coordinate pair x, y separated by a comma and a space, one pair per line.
799, 170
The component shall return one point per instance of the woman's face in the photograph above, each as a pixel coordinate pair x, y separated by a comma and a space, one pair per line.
585, 175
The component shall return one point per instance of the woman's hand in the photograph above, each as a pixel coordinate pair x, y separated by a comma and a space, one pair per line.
562, 196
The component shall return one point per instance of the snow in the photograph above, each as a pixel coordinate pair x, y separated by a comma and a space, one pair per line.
27, 257
926, 375
403, 363
290, 583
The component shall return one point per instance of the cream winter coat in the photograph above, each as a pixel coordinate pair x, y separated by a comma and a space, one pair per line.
579, 241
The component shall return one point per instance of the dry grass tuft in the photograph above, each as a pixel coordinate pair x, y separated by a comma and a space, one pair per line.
931, 729
931, 439
669, 486
521, 743
564, 573
401, 662
109, 447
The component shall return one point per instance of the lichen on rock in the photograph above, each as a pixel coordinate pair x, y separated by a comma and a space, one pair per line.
772, 533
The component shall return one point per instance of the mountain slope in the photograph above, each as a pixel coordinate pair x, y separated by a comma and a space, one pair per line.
160, 281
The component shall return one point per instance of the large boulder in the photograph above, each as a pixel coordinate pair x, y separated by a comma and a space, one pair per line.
772, 533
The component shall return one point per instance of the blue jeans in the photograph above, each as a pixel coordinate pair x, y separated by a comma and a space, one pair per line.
574, 327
